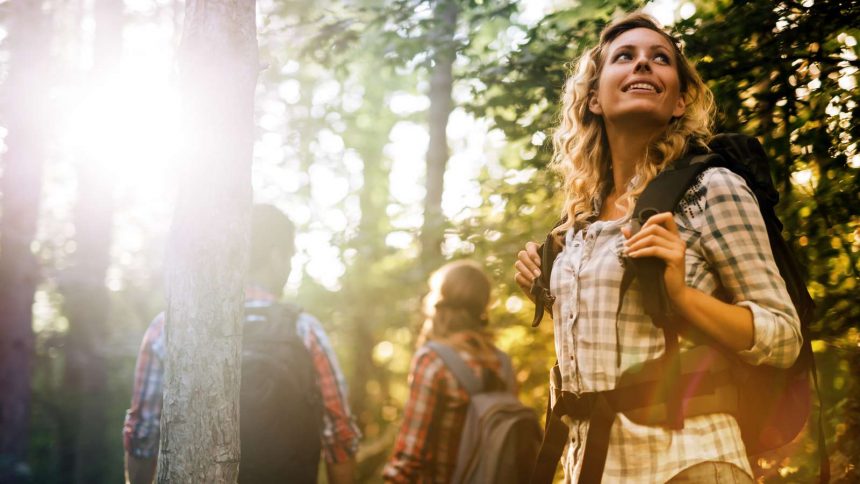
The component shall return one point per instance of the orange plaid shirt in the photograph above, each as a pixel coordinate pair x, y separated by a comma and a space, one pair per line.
426, 448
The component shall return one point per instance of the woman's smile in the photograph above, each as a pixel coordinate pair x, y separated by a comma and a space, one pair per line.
642, 86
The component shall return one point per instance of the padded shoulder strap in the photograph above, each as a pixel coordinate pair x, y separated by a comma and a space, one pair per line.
288, 314
666, 190
273, 322
457, 366
662, 194
507, 369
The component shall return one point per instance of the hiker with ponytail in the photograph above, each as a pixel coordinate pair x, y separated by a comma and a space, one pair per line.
455, 353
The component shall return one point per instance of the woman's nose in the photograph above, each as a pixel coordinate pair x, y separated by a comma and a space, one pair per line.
642, 64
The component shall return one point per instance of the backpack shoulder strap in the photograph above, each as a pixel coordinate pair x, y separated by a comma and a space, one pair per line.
287, 314
541, 286
665, 191
662, 194
274, 322
507, 369
457, 366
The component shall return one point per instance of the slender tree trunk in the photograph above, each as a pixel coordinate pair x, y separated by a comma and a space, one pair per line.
441, 84
24, 117
86, 297
369, 242
209, 244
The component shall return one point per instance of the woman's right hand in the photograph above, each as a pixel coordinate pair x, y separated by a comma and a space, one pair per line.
528, 268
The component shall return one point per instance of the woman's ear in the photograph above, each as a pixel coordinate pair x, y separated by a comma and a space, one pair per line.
680, 107
594, 103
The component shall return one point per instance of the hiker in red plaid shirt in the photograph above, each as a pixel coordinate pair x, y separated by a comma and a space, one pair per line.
456, 308
271, 251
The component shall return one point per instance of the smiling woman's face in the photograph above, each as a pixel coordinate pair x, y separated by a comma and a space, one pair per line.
639, 81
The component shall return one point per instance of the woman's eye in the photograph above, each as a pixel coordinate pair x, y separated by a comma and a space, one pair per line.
663, 58
623, 56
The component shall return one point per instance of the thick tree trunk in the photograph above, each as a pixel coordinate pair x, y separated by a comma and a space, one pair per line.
24, 117
83, 285
209, 243
441, 84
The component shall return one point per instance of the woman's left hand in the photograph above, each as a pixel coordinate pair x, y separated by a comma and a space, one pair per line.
660, 238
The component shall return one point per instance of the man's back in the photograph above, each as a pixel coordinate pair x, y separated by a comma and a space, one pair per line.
298, 343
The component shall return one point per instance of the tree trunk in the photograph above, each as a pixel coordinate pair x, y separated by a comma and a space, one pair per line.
83, 286
441, 84
24, 117
369, 142
207, 257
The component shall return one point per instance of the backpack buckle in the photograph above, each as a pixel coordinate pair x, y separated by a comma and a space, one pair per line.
577, 406
548, 298
639, 220
542, 294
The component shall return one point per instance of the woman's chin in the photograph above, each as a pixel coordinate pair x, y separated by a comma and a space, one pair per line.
640, 118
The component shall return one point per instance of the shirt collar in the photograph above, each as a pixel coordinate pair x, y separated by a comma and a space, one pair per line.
256, 292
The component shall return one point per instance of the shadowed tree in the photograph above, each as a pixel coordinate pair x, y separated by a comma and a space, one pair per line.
24, 116
209, 243
443, 54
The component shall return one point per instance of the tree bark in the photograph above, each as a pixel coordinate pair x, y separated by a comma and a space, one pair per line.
83, 285
207, 257
24, 110
441, 84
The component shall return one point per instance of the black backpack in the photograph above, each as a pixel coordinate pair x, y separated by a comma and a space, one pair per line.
281, 408
770, 404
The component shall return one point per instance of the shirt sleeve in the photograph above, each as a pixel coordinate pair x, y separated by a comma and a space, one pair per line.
340, 435
412, 447
142, 421
736, 246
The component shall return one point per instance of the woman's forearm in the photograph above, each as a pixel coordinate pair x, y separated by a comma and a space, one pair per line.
729, 324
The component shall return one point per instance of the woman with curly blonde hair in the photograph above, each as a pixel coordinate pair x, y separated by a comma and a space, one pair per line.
633, 106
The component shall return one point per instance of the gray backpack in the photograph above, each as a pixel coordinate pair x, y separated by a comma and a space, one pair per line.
501, 436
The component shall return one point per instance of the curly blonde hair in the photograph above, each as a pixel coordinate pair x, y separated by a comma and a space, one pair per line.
581, 150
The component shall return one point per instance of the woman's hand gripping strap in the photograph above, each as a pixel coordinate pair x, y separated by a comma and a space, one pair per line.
541, 285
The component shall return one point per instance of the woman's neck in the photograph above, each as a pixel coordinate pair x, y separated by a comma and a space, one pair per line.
627, 148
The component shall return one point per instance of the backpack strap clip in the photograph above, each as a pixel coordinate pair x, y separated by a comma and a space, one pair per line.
540, 290
543, 299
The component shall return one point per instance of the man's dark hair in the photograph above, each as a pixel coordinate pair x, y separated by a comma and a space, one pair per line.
270, 230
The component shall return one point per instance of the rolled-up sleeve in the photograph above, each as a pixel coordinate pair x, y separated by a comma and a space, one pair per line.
142, 421
340, 434
412, 450
736, 246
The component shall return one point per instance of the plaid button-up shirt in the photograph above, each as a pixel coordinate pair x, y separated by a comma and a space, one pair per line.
426, 447
340, 435
728, 256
